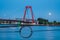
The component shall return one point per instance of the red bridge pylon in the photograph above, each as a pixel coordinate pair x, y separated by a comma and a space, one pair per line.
28, 7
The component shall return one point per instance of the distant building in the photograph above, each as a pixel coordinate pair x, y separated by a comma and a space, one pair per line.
42, 21
7, 21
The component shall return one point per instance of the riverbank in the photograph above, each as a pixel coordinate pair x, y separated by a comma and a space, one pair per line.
19, 25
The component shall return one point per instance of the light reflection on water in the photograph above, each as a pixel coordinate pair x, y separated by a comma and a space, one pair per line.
39, 33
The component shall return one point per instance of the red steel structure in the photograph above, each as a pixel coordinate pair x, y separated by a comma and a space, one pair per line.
28, 7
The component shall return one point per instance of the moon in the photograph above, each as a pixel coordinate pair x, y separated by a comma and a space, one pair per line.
49, 14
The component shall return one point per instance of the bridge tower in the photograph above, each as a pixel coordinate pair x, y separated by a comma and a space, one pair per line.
28, 7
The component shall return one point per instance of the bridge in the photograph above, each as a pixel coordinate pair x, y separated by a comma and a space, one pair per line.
22, 21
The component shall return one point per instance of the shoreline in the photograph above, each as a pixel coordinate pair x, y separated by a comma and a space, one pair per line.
18, 25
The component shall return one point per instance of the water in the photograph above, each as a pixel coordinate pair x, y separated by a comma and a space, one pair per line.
38, 33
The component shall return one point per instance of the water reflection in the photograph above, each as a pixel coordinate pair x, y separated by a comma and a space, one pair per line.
40, 33
49, 34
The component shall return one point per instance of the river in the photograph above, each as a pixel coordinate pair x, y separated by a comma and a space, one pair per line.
38, 33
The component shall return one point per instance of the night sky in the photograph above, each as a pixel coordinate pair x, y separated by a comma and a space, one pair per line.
47, 9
